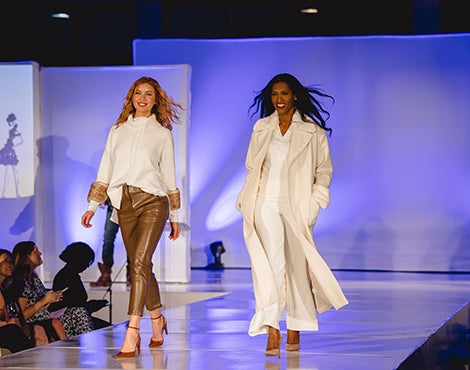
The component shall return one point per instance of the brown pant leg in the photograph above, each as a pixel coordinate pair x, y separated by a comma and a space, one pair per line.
142, 218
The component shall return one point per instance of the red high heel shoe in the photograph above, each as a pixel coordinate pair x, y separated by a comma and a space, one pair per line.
121, 354
159, 343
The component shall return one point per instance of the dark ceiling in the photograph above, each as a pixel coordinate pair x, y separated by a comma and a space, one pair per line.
100, 32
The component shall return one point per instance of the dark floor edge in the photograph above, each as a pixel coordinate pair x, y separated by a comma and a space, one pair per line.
447, 349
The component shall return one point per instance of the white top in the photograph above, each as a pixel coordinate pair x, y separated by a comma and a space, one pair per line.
274, 170
140, 152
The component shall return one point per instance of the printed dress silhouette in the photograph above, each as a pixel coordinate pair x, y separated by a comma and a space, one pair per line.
8, 157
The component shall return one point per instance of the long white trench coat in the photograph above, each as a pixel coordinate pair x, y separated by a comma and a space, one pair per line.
309, 176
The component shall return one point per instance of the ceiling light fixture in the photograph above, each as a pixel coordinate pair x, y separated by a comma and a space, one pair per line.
61, 15
309, 11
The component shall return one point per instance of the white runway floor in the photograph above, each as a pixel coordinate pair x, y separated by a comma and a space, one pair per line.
390, 315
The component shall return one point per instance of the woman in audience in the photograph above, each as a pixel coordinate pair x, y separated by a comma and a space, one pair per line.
78, 257
34, 333
33, 298
11, 335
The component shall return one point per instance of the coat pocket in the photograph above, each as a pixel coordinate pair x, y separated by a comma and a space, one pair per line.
313, 212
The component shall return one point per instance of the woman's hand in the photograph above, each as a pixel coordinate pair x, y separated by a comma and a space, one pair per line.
175, 230
46, 300
52, 296
86, 219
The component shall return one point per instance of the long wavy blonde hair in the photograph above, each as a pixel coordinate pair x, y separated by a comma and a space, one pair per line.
165, 108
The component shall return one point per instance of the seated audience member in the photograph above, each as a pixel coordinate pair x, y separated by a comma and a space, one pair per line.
32, 296
78, 257
11, 335
35, 333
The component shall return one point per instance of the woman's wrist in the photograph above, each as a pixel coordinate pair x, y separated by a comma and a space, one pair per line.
40, 304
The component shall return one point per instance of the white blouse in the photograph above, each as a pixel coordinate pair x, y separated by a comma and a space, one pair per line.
140, 153
274, 170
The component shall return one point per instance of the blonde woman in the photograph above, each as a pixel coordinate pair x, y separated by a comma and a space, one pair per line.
137, 174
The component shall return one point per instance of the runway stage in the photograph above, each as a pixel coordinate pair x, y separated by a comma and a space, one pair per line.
405, 321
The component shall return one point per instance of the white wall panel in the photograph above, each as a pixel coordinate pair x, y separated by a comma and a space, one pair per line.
79, 105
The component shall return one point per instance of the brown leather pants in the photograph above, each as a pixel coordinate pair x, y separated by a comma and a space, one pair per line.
142, 218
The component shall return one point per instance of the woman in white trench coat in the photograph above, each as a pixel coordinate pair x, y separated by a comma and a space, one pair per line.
289, 173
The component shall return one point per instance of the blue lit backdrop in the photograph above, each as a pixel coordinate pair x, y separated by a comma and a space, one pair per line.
400, 147
400, 143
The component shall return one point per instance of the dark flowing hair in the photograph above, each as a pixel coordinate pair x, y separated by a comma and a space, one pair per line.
5, 251
8, 253
307, 104
21, 251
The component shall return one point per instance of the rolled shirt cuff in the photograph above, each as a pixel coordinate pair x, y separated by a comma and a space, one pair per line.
173, 215
93, 205
174, 198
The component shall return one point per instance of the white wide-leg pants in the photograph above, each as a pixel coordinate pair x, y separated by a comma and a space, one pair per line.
273, 223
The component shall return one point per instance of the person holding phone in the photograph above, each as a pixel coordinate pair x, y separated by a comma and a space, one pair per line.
29, 291
15, 335
35, 333
11, 335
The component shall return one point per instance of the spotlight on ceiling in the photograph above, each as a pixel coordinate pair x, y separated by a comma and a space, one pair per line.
309, 11
60, 15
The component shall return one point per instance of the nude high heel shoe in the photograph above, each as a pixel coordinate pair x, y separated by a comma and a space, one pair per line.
159, 343
272, 336
121, 354
293, 340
